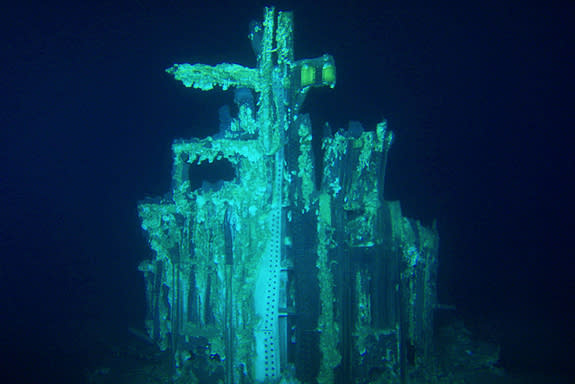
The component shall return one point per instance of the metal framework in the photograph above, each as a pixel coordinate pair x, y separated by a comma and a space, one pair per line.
275, 275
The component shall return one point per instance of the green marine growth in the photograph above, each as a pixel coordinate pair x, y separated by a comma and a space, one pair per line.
273, 276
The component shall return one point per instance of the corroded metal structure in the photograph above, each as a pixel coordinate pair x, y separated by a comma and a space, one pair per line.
274, 275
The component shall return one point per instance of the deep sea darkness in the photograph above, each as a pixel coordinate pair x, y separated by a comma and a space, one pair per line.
479, 94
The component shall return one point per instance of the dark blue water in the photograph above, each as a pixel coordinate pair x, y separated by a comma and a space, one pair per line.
480, 97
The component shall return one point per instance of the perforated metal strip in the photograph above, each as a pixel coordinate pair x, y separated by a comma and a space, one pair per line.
267, 363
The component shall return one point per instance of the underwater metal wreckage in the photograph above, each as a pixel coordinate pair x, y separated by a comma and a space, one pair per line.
274, 275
